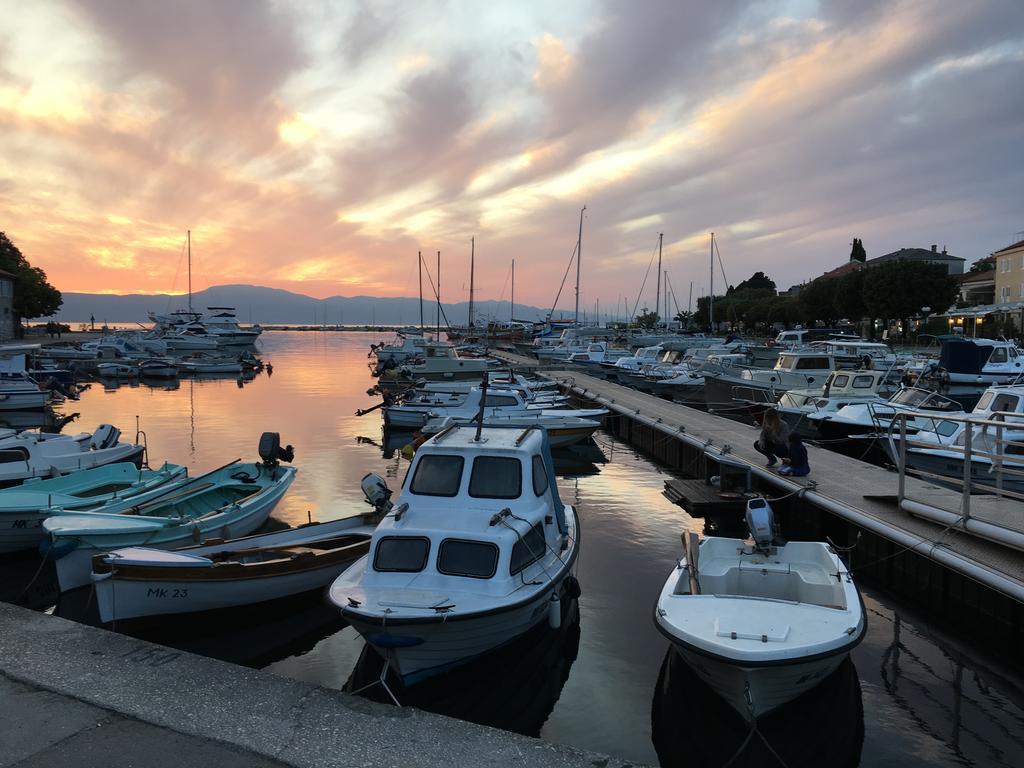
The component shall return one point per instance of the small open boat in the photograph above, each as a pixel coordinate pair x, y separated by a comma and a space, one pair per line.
31, 454
24, 508
760, 624
139, 582
229, 502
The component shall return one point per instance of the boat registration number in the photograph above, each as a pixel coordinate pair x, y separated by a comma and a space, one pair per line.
160, 592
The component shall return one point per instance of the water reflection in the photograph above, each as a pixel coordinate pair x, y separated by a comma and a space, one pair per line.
514, 688
693, 726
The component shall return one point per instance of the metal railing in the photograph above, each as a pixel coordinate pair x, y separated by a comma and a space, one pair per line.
996, 442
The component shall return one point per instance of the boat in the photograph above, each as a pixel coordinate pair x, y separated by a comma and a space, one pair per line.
116, 371
142, 582
865, 418
18, 390
229, 502
415, 414
980, 362
405, 347
24, 508
477, 550
503, 379
29, 454
441, 361
793, 370
222, 324
202, 363
760, 623
562, 430
158, 368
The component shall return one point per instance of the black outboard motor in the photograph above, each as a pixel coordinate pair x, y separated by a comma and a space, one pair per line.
271, 451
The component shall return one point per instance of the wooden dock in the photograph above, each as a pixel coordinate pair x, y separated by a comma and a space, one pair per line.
861, 494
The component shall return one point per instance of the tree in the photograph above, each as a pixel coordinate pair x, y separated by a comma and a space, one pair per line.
817, 301
857, 253
988, 264
898, 290
647, 319
849, 295
757, 281
33, 295
684, 318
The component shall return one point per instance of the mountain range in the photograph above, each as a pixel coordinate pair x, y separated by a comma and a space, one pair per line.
259, 304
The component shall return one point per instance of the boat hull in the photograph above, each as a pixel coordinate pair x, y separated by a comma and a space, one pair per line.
24, 400
418, 648
74, 569
766, 687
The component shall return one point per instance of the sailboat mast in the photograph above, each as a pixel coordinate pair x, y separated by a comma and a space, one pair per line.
438, 332
657, 300
512, 308
419, 255
579, 258
711, 293
472, 256
188, 235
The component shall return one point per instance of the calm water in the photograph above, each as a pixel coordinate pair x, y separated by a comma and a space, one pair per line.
911, 697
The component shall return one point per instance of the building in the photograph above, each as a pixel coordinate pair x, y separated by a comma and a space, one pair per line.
979, 287
954, 264
6, 305
1010, 273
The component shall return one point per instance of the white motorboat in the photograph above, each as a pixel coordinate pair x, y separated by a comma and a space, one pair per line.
863, 418
229, 502
116, 371
18, 390
761, 623
185, 340
158, 368
202, 363
442, 361
221, 323
405, 347
496, 379
793, 370
562, 430
138, 582
40, 454
24, 507
478, 550
596, 354
497, 403
978, 361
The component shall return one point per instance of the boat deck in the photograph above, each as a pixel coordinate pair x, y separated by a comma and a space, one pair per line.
857, 485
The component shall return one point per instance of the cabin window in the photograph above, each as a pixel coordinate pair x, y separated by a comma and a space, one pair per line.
437, 476
785, 361
540, 476
499, 401
476, 559
402, 554
863, 382
998, 355
1005, 403
816, 363
985, 401
841, 380
496, 477
529, 549
13, 454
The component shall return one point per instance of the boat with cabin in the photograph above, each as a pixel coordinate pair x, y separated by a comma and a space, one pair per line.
562, 430
442, 361
29, 454
477, 550
793, 370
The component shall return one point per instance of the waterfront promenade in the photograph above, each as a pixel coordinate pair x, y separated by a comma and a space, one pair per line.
74, 694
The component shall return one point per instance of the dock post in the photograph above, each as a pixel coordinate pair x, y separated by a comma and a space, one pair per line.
902, 458
966, 501
998, 462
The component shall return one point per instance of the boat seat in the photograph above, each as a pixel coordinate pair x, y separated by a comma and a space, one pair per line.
803, 583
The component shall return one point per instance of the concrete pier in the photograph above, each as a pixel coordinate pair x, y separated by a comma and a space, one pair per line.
74, 694
974, 583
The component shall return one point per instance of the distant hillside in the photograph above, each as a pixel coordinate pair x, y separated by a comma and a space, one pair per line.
257, 304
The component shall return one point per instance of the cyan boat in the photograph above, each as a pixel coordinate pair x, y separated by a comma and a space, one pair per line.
227, 503
110, 488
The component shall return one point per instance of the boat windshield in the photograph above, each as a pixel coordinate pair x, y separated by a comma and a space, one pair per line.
496, 477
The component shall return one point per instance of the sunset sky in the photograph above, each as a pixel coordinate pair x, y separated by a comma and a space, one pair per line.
316, 146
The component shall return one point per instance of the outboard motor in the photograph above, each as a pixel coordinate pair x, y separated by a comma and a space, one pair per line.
376, 491
761, 523
105, 436
271, 451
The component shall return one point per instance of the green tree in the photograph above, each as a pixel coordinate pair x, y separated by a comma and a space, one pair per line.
817, 302
988, 264
647, 319
758, 281
898, 290
849, 296
33, 295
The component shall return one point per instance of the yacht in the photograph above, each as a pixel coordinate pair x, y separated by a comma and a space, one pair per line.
792, 370
442, 361
222, 324
760, 622
477, 550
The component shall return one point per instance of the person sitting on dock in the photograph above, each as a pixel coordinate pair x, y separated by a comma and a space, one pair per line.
797, 465
773, 441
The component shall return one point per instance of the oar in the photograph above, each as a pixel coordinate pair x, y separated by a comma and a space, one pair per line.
369, 410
